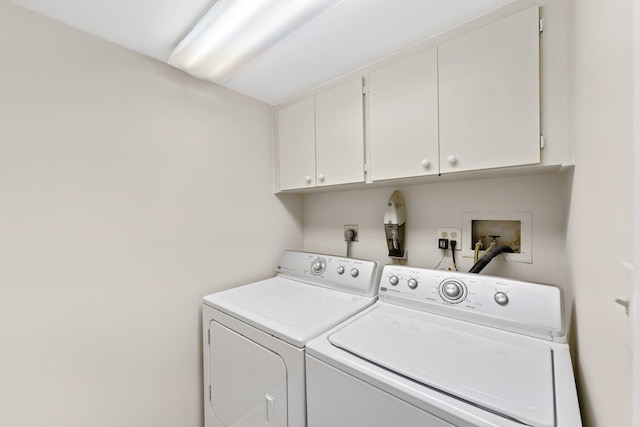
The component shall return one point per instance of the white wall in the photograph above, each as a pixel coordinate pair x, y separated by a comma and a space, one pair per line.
430, 206
600, 232
127, 192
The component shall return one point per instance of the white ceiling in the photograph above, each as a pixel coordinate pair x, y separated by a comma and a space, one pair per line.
351, 35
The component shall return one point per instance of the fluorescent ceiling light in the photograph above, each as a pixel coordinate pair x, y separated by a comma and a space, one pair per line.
235, 32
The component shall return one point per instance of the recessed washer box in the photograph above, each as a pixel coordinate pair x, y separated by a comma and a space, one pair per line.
513, 229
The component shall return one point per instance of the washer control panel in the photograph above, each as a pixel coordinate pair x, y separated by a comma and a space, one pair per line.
347, 274
494, 301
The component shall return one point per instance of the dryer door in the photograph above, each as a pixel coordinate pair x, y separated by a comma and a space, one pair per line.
248, 382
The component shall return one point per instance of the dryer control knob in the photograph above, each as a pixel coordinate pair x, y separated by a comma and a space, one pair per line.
341, 270
501, 298
412, 283
393, 280
354, 272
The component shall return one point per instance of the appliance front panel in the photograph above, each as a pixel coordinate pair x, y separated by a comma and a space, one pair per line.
248, 381
500, 371
337, 399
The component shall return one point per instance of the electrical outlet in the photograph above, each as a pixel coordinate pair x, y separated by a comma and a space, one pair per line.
450, 233
354, 228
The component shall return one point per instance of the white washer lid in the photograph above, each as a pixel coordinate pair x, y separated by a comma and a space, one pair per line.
500, 371
293, 311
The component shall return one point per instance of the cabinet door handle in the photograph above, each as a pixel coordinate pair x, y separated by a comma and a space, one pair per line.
321, 178
426, 163
452, 159
308, 179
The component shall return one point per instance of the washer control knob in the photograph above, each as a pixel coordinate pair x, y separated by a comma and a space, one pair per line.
501, 298
412, 283
341, 270
393, 280
318, 265
452, 290
354, 272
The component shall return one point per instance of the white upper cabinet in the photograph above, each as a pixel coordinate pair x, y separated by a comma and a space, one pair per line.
297, 146
340, 134
461, 102
489, 96
403, 118
321, 139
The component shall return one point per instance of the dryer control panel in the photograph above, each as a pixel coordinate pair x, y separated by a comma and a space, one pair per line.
530, 308
352, 275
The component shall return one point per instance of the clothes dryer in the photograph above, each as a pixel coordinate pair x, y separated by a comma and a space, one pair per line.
255, 336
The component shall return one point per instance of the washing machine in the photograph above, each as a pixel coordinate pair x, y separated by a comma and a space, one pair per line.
255, 335
442, 348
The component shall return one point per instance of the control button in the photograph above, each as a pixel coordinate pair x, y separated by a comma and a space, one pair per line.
412, 283
501, 298
318, 265
341, 270
393, 280
354, 272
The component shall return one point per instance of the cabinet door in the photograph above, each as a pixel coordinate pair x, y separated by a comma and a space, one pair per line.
489, 96
404, 118
340, 134
297, 145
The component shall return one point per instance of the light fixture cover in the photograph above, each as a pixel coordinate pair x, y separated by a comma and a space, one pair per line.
235, 32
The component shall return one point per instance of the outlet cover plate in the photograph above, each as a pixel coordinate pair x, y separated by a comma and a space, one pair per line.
353, 227
450, 233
